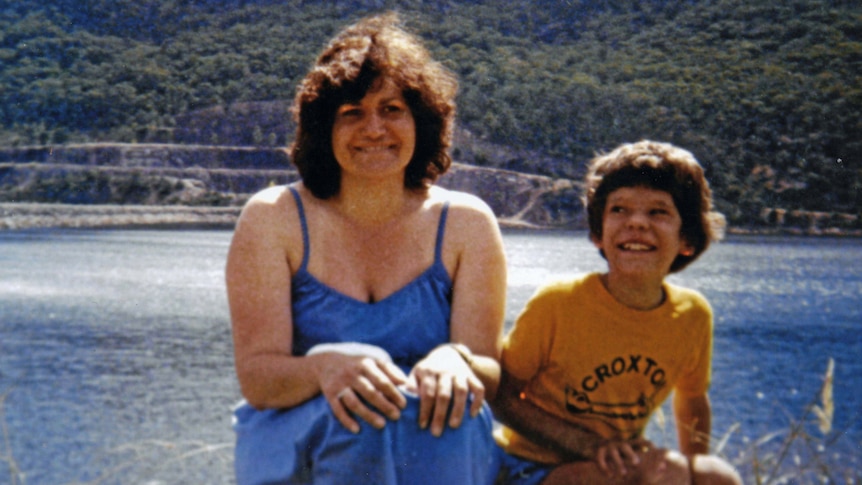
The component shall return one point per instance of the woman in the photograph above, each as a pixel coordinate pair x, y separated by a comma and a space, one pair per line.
367, 305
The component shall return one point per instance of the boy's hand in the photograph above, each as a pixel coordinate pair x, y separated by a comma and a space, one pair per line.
614, 457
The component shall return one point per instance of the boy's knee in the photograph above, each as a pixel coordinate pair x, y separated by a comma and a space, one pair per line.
711, 470
662, 466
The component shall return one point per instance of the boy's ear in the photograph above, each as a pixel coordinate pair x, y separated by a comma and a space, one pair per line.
596, 240
686, 249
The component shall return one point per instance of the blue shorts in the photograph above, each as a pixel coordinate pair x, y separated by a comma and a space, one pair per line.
515, 470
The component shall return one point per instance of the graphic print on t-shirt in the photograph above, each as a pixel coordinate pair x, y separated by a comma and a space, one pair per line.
644, 379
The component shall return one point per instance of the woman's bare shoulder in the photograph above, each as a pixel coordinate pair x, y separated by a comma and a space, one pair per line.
269, 196
461, 202
270, 224
274, 207
469, 216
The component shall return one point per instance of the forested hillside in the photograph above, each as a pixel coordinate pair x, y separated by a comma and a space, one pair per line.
766, 94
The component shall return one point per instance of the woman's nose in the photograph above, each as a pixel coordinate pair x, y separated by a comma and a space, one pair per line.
374, 125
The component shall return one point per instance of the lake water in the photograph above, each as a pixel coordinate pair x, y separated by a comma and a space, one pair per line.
116, 360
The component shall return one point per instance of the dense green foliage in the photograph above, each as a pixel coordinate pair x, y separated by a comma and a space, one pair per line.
766, 94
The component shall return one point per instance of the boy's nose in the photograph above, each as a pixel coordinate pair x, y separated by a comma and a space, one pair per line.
638, 220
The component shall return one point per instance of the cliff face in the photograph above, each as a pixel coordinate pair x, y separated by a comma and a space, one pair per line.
208, 176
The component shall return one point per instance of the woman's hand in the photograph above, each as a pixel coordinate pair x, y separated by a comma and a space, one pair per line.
357, 386
444, 380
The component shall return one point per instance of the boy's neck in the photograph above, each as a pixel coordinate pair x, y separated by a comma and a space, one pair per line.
635, 294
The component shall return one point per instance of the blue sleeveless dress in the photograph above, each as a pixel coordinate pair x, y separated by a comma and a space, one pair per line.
306, 444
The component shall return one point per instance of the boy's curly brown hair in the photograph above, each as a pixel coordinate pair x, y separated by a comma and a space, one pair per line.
351, 65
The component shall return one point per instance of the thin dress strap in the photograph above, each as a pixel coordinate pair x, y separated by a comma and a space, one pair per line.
305, 246
441, 231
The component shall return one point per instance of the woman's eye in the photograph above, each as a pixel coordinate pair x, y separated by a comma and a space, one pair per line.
346, 112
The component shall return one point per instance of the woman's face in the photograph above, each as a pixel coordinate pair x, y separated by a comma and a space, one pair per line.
375, 136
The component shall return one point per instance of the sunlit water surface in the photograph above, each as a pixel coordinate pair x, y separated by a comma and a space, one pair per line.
116, 360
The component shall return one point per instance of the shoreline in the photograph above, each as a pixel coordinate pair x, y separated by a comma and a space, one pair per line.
31, 215
34, 215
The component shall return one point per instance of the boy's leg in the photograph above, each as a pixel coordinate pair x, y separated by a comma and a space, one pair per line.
712, 470
657, 466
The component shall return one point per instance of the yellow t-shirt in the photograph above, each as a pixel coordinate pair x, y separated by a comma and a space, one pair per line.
593, 361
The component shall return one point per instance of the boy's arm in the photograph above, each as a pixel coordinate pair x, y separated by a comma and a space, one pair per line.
693, 422
567, 439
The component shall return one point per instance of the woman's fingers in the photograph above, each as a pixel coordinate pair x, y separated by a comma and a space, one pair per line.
360, 410
364, 389
441, 402
389, 382
477, 389
427, 392
444, 399
340, 411
460, 391
379, 392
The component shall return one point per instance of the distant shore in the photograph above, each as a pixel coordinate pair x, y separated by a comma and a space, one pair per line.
31, 215
27, 215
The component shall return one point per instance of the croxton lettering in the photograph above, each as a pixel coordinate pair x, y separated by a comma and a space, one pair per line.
619, 366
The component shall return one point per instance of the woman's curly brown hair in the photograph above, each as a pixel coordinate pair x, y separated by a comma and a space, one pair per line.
346, 70
659, 166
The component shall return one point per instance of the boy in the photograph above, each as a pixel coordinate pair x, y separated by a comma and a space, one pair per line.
589, 360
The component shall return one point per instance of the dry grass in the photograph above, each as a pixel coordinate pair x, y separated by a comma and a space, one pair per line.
808, 451
150, 462
155, 462
16, 477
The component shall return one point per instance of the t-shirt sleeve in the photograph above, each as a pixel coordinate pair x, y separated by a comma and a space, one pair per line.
697, 378
527, 345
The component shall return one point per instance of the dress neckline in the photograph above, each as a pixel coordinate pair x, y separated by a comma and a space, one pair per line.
435, 269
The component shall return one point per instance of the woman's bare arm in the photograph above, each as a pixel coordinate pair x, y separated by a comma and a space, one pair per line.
473, 251
258, 277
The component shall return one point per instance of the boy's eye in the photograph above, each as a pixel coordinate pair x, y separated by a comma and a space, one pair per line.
615, 209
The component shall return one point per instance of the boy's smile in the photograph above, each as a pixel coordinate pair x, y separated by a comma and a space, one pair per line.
641, 234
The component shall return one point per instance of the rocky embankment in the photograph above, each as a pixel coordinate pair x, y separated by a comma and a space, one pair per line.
807, 223
100, 185
114, 184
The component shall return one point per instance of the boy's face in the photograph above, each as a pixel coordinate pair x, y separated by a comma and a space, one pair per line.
641, 233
